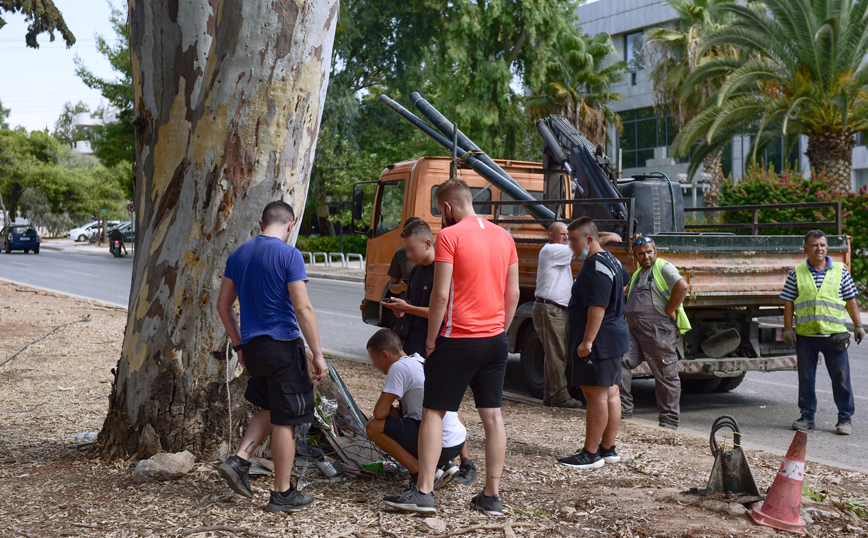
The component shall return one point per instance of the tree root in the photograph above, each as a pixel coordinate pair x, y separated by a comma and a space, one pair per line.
224, 528
505, 527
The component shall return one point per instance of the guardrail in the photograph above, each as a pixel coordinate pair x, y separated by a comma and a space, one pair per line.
353, 256
755, 225
325, 257
340, 256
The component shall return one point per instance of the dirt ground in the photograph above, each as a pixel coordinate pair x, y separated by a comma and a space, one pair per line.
58, 388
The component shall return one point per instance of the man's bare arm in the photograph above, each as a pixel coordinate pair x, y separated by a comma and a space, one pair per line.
226, 309
608, 237
439, 298
306, 317
679, 293
595, 320
383, 407
510, 295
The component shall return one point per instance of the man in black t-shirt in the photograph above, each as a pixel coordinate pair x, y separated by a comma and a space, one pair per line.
412, 315
598, 337
400, 267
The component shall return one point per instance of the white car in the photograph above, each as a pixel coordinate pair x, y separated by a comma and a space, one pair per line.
82, 233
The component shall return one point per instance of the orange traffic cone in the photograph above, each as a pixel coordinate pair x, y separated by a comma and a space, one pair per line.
781, 507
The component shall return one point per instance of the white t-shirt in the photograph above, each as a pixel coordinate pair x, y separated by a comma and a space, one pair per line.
554, 277
406, 380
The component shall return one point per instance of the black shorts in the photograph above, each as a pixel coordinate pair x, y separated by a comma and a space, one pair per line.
599, 373
279, 379
405, 431
457, 363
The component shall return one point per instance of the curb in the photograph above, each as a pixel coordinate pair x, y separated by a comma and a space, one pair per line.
76, 251
338, 276
97, 302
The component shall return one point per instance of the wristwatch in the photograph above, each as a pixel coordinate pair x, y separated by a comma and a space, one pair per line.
237, 348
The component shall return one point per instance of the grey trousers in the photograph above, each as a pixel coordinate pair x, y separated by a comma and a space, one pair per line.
654, 342
551, 326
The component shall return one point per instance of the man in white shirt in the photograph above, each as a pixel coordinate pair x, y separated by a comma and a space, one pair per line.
396, 429
554, 280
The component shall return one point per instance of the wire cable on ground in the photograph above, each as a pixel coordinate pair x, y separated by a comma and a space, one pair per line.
44, 336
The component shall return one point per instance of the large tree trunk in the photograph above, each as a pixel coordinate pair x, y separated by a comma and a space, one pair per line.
711, 165
228, 101
832, 155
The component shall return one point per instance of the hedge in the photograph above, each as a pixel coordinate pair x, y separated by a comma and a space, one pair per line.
355, 244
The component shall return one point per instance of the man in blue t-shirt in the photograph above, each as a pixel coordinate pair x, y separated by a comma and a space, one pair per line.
267, 277
598, 337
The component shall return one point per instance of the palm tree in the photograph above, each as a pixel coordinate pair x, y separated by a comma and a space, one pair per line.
677, 52
801, 72
579, 77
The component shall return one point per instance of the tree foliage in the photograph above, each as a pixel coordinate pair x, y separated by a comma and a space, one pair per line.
4, 115
801, 72
42, 16
578, 78
113, 142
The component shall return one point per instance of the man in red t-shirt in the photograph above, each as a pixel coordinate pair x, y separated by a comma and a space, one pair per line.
473, 301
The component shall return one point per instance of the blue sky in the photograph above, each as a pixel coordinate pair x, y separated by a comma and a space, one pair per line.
35, 83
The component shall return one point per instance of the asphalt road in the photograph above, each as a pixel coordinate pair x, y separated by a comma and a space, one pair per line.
764, 405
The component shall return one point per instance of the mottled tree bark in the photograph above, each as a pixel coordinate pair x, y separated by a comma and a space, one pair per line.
228, 102
831, 154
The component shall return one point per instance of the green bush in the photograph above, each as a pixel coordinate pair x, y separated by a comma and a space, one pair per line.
761, 186
353, 244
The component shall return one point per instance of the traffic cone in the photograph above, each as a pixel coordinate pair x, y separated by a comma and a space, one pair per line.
781, 507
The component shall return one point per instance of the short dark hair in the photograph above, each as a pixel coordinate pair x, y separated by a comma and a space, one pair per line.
454, 190
385, 340
277, 212
814, 233
418, 229
411, 220
584, 225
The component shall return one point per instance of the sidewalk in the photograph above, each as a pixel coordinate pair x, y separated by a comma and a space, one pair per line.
68, 245
335, 272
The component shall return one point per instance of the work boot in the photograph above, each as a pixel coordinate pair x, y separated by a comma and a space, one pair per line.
570, 403
466, 473
235, 471
413, 500
843, 428
490, 506
803, 424
667, 425
289, 501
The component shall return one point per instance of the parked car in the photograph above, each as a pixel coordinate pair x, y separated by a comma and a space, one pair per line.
126, 228
19, 237
82, 233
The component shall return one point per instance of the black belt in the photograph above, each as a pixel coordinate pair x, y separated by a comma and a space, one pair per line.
552, 303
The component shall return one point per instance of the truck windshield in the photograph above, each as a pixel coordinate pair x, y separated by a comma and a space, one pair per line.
391, 204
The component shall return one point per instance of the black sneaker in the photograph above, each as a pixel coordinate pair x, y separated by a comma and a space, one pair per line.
490, 506
235, 471
289, 501
609, 455
444, 475
413, 500
583, 460
466, 473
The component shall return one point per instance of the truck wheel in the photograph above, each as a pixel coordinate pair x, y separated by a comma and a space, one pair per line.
729, 383
700, 386
533, 361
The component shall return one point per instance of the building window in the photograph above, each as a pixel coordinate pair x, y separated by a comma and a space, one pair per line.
633, 50
775, 152
644, 130
861, 179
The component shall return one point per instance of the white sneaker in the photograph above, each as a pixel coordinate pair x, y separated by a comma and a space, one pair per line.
444, 475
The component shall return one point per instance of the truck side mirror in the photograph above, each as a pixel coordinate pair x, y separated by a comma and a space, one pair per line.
358, 203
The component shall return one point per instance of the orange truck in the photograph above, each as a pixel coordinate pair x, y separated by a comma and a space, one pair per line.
734, 280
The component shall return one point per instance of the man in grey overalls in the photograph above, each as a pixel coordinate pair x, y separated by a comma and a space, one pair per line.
657, 321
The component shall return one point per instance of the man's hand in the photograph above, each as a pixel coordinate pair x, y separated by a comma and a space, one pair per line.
673, 313
585, 349
608, 237
320, 368
790, 336
240, 359
395, 412
397, 305
858, 334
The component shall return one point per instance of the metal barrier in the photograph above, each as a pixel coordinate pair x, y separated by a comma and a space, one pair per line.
353, 256
309, 254
325, 256
340, 256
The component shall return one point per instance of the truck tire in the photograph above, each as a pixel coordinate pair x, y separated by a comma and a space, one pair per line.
532, 361
700, 386
729, 383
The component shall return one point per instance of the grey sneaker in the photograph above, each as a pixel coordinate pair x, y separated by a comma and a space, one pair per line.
843, 428
609, 455
235, 471
490, 506
289, 501
444, 475
466, 473
803, 425
413, 500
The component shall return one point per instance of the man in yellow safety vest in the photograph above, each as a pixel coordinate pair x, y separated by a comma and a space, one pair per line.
818, 292
657, 321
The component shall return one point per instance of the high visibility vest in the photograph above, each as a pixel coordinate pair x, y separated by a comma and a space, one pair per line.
680, 316
820, 311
